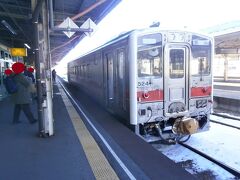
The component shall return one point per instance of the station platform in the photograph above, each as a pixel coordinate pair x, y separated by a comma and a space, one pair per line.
228, 89
76, 151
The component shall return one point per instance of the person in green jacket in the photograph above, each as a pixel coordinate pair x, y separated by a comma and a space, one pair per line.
22, 98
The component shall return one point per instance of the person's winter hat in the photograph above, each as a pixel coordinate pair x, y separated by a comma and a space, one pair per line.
18, 67
30, 69
8, 71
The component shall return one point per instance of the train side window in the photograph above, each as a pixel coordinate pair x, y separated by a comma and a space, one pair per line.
84, 71
7, 65
75, 71
2, 54
6, 55
121, 64
88, 70
81, 70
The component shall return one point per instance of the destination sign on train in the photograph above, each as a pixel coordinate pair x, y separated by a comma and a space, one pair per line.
18, 51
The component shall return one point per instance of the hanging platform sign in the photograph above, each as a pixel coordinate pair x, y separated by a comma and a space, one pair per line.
68, 23
18, 51
89, 24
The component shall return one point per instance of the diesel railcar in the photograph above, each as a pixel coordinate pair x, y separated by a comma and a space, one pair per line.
159, 81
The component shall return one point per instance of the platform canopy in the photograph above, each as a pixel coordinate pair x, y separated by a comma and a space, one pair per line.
16, 27
226, 37
228, 43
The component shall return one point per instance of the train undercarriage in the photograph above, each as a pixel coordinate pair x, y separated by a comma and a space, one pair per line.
173, 130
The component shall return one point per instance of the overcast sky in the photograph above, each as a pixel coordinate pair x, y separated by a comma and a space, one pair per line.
132, 14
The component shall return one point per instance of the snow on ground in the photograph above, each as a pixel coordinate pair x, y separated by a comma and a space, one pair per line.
220, 142
194, 163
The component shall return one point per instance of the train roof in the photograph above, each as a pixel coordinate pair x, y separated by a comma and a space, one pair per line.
146, 30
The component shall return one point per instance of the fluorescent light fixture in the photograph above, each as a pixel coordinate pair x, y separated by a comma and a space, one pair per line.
25, 44
8, 27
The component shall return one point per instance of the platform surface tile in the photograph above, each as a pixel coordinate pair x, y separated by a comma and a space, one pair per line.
23, 155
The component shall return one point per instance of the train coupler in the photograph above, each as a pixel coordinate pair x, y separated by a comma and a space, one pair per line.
185, 126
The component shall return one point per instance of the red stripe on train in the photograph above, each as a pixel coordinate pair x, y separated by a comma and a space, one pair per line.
201, 91
149, 96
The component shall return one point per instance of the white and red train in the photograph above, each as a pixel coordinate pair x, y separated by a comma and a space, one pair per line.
160, 81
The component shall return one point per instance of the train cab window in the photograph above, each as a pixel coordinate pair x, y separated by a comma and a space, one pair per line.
201, 56
176, 63
150, 55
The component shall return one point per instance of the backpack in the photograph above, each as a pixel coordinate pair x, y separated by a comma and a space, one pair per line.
10, 84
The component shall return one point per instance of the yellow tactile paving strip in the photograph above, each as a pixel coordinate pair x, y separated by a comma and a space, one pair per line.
98, 162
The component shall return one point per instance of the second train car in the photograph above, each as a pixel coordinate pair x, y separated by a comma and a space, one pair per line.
159, 81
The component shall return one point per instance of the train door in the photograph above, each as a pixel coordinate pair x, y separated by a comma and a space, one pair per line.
175, 81
109, 79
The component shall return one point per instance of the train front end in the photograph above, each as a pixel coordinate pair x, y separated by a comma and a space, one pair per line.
170, 83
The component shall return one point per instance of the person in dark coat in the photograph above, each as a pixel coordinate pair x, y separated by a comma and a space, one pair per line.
54, 75
29, 73
22, 98
8, 73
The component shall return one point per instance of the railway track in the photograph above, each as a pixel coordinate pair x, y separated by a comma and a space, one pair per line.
225, 124
229, 125
231, 170
226, 116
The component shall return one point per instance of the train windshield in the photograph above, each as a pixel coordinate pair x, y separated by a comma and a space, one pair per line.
150, 55
201, 56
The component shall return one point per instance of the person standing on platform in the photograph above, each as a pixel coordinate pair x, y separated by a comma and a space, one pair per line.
54, 75
7, 80
22, 98
29, 73
8, 72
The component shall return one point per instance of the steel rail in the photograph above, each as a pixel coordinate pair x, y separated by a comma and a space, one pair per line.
221, 164
226, 116
217, 122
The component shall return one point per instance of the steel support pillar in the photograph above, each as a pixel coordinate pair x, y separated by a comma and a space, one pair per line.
48, 112
36, 13
225, 76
